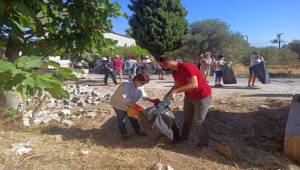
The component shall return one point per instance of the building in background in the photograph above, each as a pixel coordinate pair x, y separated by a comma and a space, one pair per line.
122, 40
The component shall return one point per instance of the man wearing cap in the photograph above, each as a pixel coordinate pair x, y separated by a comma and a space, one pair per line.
108, 70
188, 79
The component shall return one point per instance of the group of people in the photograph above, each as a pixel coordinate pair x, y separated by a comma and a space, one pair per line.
188, 79
117, 66
209, 65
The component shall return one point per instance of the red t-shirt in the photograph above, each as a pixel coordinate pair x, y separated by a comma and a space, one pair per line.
186, 71
117, 64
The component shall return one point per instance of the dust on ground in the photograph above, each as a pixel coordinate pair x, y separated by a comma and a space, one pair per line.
246, 132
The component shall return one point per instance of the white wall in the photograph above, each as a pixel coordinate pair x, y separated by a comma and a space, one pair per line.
122, 40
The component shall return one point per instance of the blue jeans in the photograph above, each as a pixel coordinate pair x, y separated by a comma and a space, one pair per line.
121, 116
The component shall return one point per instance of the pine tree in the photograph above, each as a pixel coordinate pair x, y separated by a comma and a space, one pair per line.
158, 25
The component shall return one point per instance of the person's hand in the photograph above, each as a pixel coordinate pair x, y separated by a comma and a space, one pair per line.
170, 96
155, 101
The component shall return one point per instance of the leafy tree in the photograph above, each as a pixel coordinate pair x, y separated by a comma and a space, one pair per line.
237, 49
129, 32
42, 26
295, 46
23, 76
158, 25
208, 35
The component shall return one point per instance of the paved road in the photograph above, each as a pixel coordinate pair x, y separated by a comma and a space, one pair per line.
279, 87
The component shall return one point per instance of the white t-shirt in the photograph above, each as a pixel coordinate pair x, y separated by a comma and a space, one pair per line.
127, 92
254, 60
219, 63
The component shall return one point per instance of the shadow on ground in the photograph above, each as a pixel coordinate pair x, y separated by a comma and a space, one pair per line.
254, 137
269, 95
234, 87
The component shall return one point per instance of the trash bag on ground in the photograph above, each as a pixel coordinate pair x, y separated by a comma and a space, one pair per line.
228, 74
161, 118
262, 73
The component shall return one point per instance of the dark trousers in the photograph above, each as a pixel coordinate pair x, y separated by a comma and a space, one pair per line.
121, 116
112, 74
196, 110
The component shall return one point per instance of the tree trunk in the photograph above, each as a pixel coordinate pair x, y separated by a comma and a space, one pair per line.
12, 48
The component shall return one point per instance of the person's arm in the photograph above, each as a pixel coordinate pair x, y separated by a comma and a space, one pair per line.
169, 92
193, 84
146, 98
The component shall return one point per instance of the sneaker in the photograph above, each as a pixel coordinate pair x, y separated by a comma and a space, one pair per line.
220, 85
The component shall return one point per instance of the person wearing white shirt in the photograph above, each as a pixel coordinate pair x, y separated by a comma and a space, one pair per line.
218, 71
256, 58
127, 95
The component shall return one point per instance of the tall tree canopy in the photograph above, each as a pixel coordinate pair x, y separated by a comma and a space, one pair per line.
208, 35
158, 25
44, 26
295, 46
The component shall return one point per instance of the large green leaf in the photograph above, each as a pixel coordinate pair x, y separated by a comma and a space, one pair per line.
67, 74
29, 62
6, 66
52, 63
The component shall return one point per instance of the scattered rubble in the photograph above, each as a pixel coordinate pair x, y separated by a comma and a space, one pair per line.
20, 148
59, 109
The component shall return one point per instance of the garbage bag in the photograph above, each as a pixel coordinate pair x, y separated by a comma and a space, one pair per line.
228, 74
261, 72
161, 118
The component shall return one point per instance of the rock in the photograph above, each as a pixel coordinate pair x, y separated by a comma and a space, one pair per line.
66, 111
224, 150
158, 166
42, 117
169, 167
55, 116
223, 102
26, 121
68, 122
19, 148
91, 114
85, 151
81, 104
75, 99
65, 102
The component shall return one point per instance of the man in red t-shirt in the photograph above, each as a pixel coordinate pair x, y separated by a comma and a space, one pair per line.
188, 79
117, 65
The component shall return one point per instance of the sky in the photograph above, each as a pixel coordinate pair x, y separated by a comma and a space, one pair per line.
260, 20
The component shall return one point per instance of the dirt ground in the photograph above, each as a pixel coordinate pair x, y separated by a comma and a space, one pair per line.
246, 132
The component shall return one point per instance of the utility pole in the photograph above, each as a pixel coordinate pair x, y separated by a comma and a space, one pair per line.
279, 39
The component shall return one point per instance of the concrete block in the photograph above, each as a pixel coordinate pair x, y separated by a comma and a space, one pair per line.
292, 130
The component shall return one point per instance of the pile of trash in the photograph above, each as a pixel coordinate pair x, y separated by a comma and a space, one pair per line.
59, 109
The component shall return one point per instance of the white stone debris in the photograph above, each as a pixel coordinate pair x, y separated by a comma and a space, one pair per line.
20, 148
85, 151
59, 109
